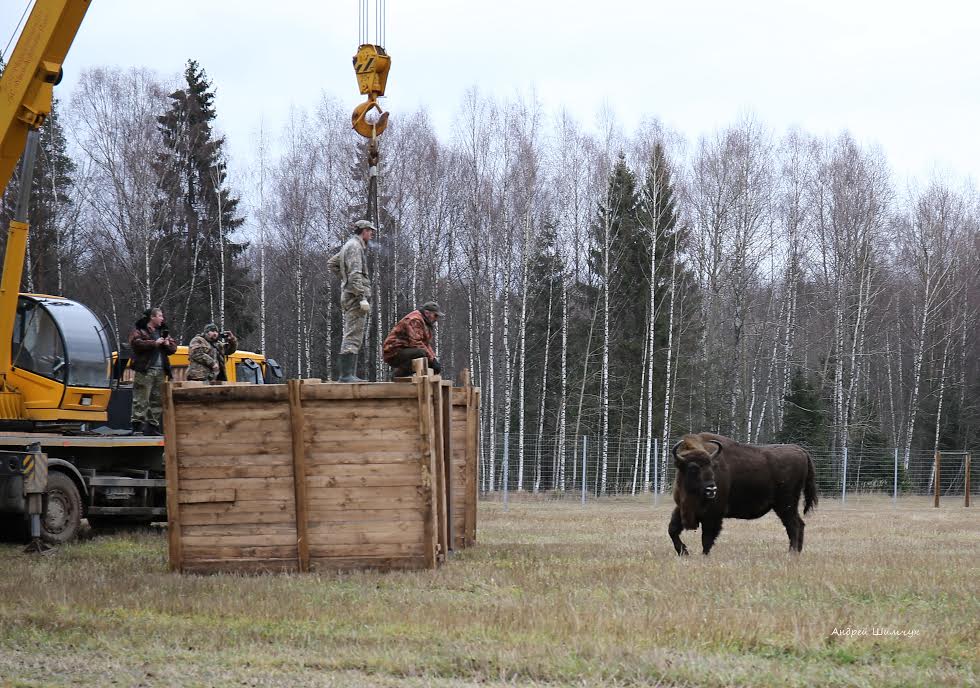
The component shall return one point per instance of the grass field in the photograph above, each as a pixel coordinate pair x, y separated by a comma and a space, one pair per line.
554, 594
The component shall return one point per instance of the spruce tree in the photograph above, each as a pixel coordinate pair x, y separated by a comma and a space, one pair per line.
199, 215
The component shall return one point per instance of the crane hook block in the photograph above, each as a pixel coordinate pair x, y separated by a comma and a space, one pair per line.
371, 65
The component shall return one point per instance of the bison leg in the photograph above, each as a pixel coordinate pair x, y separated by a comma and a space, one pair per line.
794, 528
674, 530
709, 533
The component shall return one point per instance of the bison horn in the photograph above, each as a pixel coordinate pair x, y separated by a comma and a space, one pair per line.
717, 444
677, 459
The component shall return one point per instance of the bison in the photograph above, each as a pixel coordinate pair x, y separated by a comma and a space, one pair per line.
719, 478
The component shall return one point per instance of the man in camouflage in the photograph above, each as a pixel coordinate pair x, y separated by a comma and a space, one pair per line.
351, 266
411, 338
152, 346
208, 352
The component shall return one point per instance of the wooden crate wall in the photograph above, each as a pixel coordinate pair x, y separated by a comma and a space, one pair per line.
376, 462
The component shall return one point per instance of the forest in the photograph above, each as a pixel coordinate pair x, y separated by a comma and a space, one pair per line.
625, 286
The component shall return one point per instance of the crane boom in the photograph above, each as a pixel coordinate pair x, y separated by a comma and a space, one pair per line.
31, 73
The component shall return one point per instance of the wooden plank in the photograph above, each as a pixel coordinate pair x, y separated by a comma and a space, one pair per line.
342, 502
369, 471
255, 518
401, 550
358, 563
204, 496
217, 484
368, 447
316, 482
424, 395
287, 492
392, 458
172, 474
393, 436
253, 507
472, 460
370, 390
445, 390
439, 484
234, 471
340, 412
240, 552
299, 474
257, 436
344, 518
214, 394
250, 540
333, 537
225, 414
235, 455
241, 529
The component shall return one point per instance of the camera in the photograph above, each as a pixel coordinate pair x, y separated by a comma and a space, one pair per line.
164, 332
223, 335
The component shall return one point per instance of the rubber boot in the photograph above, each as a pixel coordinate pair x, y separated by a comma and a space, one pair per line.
348, 364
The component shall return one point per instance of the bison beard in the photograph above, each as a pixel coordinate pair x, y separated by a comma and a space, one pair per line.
719, 478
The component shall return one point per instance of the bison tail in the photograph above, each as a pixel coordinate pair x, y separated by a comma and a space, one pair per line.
810, 486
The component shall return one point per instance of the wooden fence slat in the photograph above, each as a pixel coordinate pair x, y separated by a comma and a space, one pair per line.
173, 476
299, 473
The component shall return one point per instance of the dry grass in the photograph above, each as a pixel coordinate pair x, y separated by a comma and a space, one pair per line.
554, 594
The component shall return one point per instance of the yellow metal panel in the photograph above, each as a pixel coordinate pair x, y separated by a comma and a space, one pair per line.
33, 67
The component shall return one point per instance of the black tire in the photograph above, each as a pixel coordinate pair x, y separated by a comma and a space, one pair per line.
62, 515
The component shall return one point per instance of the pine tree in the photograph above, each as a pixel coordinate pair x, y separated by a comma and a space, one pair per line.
51, 202
200, 215
805, 421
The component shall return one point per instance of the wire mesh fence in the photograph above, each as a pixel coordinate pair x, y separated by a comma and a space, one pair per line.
587, 467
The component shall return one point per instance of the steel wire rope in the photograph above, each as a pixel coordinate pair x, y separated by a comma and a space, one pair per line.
16, 29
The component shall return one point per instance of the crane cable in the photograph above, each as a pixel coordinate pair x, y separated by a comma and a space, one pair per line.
371, 66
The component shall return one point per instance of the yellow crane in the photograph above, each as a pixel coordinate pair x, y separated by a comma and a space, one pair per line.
53, 351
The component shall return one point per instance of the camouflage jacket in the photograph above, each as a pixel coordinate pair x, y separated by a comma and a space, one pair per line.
202, 355
411, 332
351, 266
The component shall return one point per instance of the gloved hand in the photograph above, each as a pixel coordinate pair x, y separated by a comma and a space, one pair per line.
436, 366
365, 306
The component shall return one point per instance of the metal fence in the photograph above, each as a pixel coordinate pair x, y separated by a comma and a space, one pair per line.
575, 468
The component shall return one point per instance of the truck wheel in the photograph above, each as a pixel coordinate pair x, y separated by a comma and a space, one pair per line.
63, 515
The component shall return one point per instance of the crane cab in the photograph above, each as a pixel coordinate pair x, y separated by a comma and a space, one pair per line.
61, 362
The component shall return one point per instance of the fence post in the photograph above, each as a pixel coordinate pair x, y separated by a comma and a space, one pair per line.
843, 480
656, 469
585, 481
506, 465
935, 474
895, 488
966, 481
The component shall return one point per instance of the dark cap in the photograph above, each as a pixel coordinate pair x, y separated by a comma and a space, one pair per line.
211, 327
431, 306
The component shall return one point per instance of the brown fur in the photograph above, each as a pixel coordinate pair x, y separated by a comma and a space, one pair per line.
719, 478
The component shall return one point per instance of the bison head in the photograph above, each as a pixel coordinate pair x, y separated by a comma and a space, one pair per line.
696, 462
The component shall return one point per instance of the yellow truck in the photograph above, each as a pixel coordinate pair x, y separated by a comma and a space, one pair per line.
66, 451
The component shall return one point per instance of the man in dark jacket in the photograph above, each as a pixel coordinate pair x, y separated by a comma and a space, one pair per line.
151, 345
411, 338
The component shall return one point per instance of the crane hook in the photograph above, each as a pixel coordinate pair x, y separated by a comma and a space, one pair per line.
371, 65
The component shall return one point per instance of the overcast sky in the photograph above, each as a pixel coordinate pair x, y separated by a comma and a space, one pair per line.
899, 74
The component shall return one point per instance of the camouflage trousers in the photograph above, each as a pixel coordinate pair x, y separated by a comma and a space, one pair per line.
355, 321
147, 407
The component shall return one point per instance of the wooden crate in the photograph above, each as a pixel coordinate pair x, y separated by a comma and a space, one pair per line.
308, 476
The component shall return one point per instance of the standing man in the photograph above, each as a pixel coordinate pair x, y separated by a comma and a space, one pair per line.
208, 352
152, 345
351, 266
411, 338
